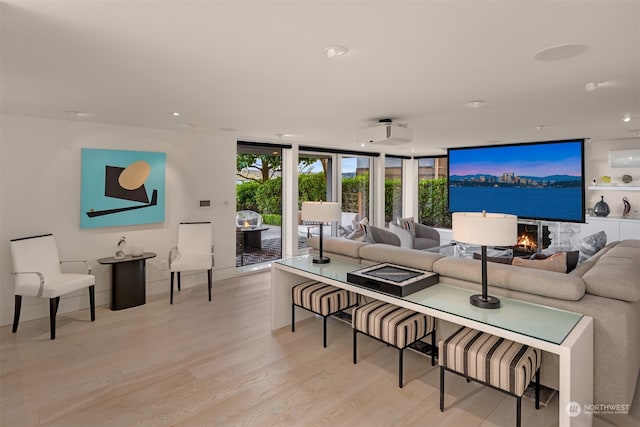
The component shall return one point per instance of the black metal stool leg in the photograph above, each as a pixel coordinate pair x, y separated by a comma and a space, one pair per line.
400, 367
518, 411
355, 341
324, 331
538, 389
441, 388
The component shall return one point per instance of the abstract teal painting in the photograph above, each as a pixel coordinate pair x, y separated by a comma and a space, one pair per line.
121, 187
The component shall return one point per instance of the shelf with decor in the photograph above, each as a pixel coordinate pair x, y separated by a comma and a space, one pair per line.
614, 187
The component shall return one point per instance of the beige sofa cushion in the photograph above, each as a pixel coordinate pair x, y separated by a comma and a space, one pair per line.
346, 247
376, 253
556, 262
617, 273
537, 282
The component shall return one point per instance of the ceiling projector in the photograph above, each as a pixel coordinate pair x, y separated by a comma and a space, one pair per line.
385, 132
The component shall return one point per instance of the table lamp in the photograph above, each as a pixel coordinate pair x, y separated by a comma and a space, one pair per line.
321, 212
485, 229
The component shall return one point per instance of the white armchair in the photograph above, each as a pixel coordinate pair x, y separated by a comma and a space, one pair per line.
36, 267
193, 252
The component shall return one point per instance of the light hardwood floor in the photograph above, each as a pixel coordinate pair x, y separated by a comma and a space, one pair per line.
200, 363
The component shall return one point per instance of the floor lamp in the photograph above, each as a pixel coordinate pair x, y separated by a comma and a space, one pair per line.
485, 229
321, 212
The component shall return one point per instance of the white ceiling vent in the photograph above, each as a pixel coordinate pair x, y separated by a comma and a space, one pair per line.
385, 132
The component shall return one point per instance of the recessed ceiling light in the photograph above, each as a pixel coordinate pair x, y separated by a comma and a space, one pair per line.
333, 51
626, 119
362, 144
476, 104
541, 127
560, 52
591, 86
175, 113
227, 129
74, 113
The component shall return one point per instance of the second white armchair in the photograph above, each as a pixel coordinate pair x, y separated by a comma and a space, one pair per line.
193, 252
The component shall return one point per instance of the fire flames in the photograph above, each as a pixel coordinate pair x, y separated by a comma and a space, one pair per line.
526, 241
246, 224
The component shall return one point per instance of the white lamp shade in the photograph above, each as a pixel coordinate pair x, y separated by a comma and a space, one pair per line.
321, 211
486, 229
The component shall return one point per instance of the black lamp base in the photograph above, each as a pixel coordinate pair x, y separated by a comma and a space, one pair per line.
488, 302
322, 260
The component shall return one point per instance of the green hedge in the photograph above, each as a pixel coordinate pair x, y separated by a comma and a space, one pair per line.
311, 187
272, 219
350, 189
392, 198
266, 198
432, 203
269, 197
246, 196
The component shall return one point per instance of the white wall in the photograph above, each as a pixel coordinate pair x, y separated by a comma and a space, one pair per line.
40, 193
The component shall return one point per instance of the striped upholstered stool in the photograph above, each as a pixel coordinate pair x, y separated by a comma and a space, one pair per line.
322, 299
493, 361
396, 326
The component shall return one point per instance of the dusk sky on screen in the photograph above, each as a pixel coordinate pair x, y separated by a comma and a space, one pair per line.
538, 160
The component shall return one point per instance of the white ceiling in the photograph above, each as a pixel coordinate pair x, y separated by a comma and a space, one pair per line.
258, 67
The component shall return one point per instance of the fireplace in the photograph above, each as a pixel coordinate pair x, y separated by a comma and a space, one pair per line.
528, 239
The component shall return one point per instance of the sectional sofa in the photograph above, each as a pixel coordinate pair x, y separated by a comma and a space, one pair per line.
605, 287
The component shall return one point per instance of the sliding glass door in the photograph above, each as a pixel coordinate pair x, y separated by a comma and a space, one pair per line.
355, 190
315, 183
258, 203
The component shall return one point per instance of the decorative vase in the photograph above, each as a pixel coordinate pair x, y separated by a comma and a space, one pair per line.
626, 206
120, 248
601, 208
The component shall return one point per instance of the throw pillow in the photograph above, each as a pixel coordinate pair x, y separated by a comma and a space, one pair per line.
355, 235
368, 238
590, 245
572, 259
408, 224
360, 224
556, 262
